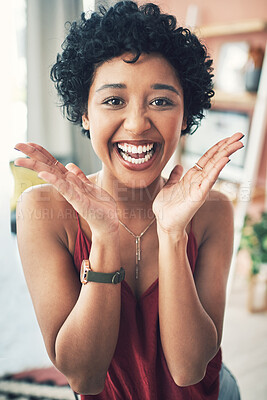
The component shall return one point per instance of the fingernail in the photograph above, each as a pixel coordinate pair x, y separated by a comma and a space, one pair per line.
242, 136
16, 149
228, 161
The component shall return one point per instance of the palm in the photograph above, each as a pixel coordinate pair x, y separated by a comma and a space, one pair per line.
94, 204
177, 202
179, 199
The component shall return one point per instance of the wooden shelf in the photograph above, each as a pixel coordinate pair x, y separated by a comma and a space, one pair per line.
245, 100
254, 25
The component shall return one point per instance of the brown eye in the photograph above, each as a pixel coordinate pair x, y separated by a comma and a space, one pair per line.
161, 102
114, 101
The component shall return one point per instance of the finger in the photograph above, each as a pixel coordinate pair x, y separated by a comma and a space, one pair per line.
72, 189
41, 168
38, 166
77, 171
42, 150
175, 175
224, 147
226, 151
37, 152
65, 187
231, 145
210, 178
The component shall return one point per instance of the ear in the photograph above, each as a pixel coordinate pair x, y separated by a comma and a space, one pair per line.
85, 122
184, 124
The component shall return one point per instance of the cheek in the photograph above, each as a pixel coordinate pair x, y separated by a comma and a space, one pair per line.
99, 143
173, 143
99, 130
101, 134
172, 129
101, 123
172, 134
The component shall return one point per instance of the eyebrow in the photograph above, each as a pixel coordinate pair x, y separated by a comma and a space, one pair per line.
163, 86
156, 86
112, 86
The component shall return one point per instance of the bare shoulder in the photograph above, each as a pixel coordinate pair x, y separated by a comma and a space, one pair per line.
45, 210
215, 217
218, 205
41, 196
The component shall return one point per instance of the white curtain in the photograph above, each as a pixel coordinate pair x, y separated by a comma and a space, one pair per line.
46, 126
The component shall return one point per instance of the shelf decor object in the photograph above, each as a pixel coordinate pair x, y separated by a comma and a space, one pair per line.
234, 28
241, 100
230, 75
253, 68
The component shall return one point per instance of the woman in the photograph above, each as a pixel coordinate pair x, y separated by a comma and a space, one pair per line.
148, 324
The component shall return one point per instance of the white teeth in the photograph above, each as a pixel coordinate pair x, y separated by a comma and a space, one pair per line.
126, 149
130, 148
137, 160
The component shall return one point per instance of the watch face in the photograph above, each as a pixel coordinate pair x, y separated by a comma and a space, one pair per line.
84, 270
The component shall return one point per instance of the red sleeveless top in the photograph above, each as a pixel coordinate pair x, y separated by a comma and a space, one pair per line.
138, 370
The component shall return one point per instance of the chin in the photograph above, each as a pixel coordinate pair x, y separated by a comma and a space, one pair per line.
139, 183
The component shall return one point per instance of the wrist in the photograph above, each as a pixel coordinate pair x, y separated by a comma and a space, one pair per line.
105, 237
103, 227
105, 252
88, 275
171, 235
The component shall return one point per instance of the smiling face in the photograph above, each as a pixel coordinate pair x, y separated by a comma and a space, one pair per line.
135, 116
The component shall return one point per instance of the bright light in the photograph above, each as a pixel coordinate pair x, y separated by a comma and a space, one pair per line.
88, 5
13, 73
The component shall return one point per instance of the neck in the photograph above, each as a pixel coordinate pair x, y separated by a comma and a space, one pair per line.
131, 202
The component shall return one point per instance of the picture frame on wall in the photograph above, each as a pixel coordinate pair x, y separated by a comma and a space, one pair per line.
231, 68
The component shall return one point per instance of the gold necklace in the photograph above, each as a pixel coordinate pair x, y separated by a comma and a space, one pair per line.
137, 244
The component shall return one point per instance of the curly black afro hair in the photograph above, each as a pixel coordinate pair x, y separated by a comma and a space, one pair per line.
125, 27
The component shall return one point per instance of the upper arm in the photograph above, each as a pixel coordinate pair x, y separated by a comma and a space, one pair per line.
214, 258
48, 266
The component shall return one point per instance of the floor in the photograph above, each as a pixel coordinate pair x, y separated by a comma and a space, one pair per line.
245, 342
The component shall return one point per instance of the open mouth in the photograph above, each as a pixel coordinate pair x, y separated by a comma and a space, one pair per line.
136, 154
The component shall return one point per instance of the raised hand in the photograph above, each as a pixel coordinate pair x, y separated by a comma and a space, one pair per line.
94, 204
179, 199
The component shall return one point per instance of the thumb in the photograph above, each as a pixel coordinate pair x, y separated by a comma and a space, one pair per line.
175, 175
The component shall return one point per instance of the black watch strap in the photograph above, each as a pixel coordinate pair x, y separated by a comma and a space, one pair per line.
101, 277
87, 275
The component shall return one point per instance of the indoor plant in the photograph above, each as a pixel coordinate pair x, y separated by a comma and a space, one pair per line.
254, 239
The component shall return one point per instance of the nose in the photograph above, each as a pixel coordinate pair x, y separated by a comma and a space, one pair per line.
136, 120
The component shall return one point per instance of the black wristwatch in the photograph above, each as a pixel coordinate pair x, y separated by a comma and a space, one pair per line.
87, 275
